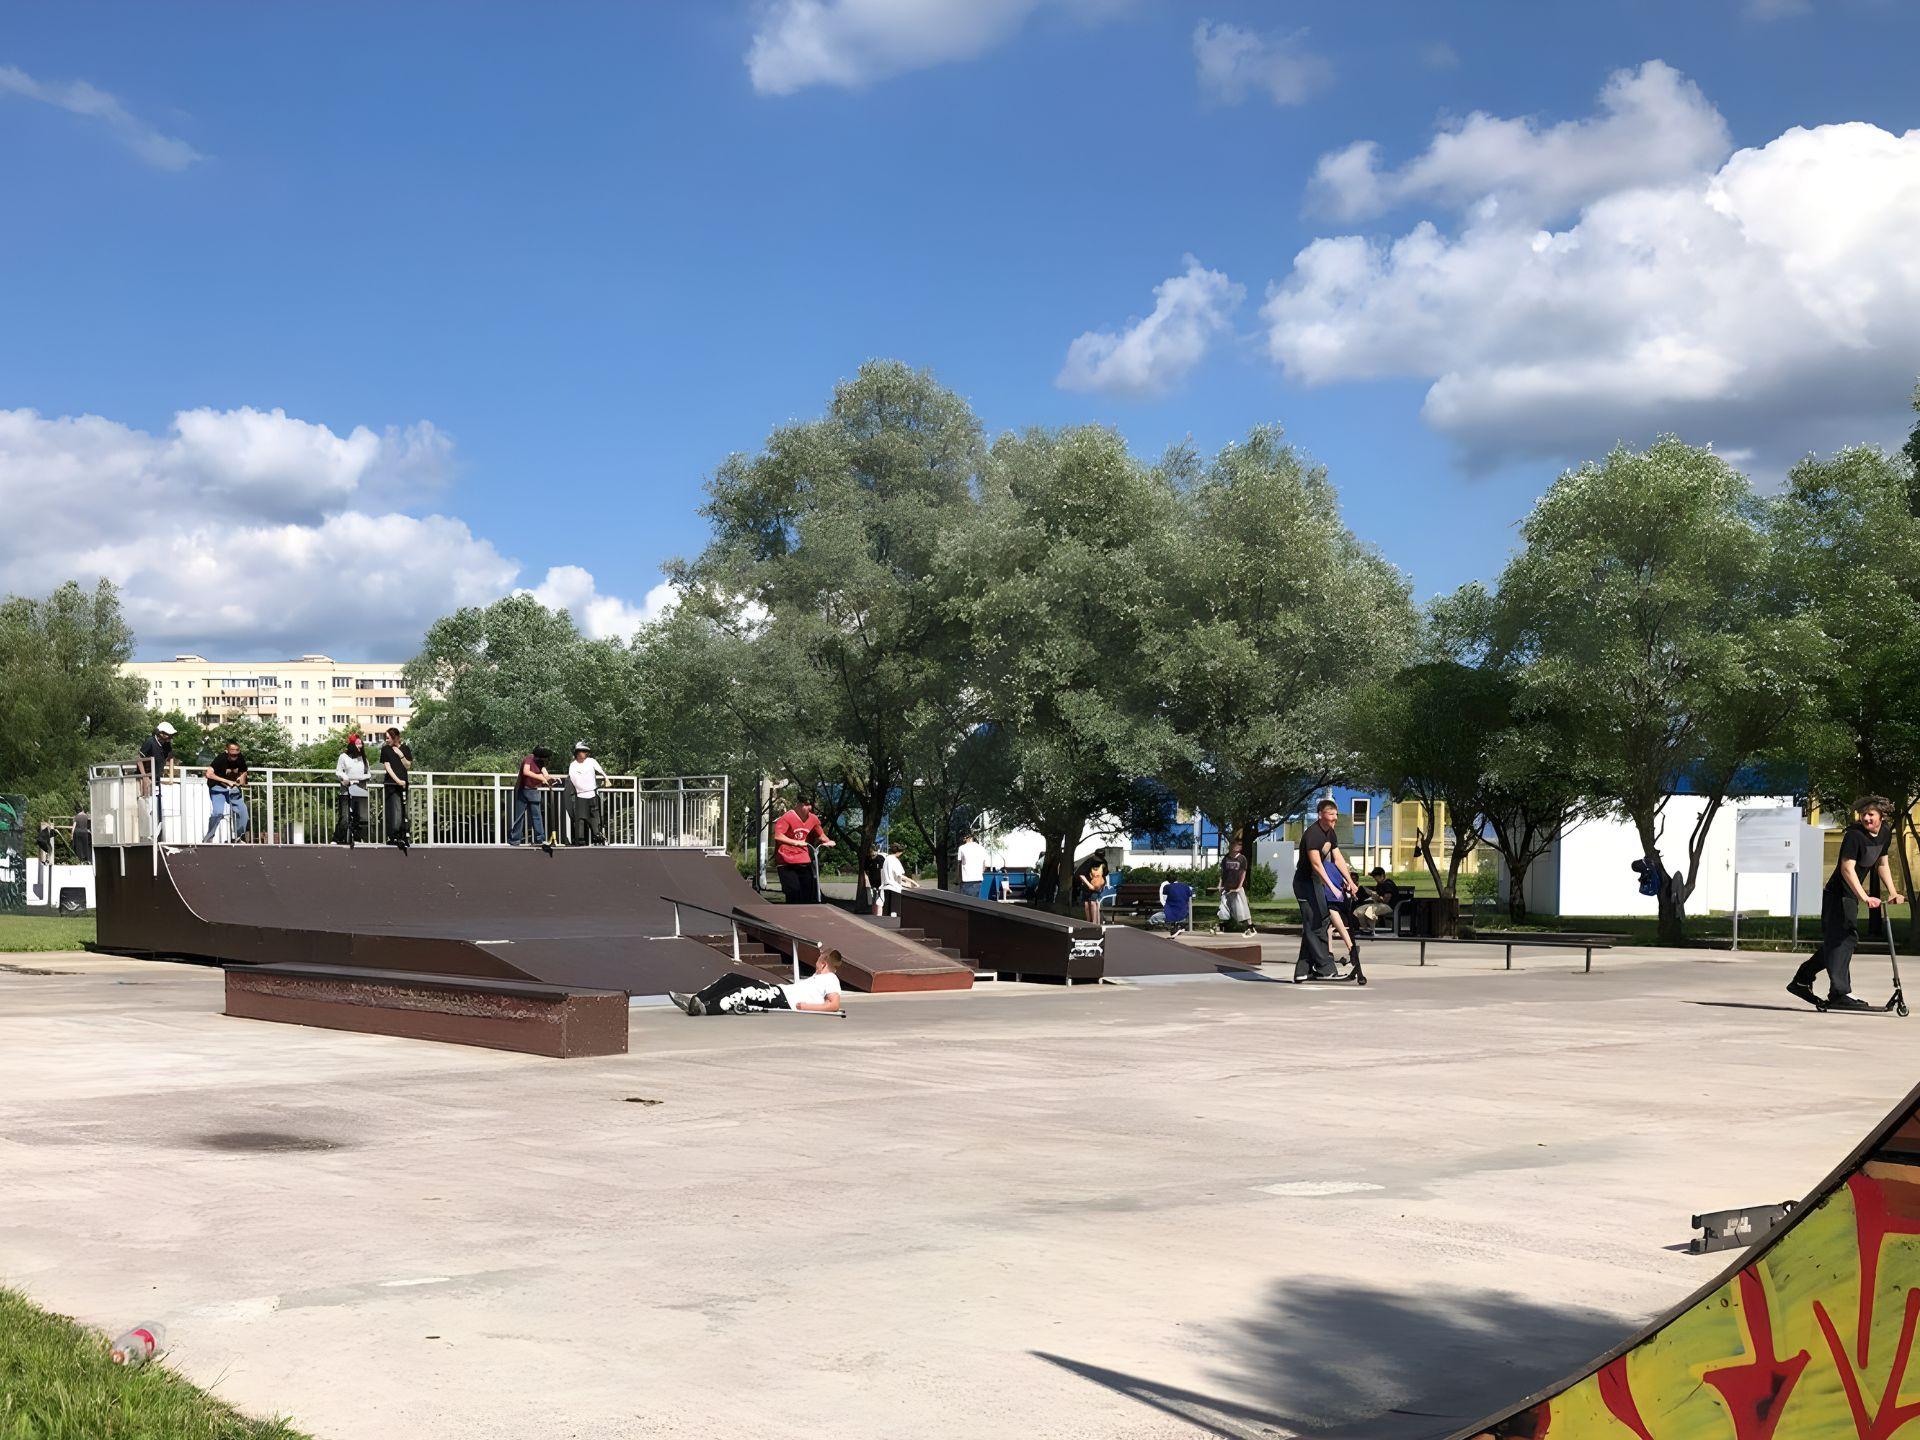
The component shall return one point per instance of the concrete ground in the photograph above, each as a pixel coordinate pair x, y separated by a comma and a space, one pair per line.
1176, 1208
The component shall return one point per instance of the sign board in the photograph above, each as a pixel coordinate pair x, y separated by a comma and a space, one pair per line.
1767, 842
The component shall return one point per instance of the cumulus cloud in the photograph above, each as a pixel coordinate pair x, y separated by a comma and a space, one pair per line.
1654, 127
250, 530
851, 43
602, 617
1769, 304
77, 97
1234, 63
1153, 355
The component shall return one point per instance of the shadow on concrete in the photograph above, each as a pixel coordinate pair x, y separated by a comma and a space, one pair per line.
1338, 1361
1749, 1005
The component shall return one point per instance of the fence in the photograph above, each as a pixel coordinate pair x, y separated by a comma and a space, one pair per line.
303, 807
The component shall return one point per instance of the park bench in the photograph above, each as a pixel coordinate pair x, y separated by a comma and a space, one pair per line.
1136, 897
1542, 939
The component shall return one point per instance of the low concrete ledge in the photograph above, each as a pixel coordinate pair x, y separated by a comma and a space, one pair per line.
535, 1019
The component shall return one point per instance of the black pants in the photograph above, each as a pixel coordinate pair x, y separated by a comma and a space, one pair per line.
737, 995
797, 884
352, 820
397, 828
584, 823
1839, 933
1316, 956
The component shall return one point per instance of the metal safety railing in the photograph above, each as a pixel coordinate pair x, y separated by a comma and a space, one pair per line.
304, 807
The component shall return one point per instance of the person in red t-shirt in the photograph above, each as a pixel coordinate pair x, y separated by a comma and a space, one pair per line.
794, 836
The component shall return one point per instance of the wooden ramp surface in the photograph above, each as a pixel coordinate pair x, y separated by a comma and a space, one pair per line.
872, 958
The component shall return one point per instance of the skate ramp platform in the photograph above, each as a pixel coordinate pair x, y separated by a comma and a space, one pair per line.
1011, 940
590, 918
1811, 1332
1132, 953
872, 959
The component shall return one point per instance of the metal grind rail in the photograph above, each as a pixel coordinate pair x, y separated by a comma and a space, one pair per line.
734, 923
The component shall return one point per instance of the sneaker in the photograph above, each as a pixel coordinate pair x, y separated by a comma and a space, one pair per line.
1801, 990
548, 847
1847, 1002
683, 1000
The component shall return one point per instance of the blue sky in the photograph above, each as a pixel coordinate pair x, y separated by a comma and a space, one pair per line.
560, 260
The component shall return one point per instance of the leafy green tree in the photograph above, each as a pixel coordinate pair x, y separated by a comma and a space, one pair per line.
1644, 608
1275, 615
1850, 543
1912, 451
826, 541
64, 703
1062, 585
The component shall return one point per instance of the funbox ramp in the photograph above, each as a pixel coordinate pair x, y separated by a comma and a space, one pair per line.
1809, 1335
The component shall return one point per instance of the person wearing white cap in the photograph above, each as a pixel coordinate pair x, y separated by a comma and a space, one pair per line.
156, 760
584, 823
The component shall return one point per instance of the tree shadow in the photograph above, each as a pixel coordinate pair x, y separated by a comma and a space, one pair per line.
1339, 1361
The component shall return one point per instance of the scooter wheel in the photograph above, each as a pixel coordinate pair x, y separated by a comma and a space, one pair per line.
1359, 979
1901, 1009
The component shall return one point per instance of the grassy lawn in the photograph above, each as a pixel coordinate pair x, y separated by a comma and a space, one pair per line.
56, 1383
44, 932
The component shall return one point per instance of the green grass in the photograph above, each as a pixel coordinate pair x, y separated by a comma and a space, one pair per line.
56, 1383
44, 932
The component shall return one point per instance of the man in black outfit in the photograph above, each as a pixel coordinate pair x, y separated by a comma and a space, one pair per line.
1314, 875
1863, 849
396, 768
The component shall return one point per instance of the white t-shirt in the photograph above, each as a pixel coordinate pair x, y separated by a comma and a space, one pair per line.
814, 989
893, 875
973, 862
585, 775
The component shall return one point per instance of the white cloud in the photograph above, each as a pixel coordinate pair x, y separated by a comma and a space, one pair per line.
851, 43
77, 97
251, 531
1654, 127
1769, 304
1153, 355
1234, 63
601, 617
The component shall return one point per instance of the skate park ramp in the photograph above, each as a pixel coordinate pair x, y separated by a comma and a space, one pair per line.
1133, 953
872, 959
1811, 1332
592, 918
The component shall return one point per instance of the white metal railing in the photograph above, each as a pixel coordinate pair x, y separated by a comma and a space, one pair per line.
303, 807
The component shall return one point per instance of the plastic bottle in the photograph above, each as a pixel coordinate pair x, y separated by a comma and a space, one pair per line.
137, 1346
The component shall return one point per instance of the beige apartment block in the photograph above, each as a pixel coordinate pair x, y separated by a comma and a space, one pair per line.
310, 696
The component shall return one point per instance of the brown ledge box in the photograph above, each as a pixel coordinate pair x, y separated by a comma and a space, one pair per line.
554, 1020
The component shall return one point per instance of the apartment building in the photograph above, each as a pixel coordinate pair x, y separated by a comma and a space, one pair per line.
311, 696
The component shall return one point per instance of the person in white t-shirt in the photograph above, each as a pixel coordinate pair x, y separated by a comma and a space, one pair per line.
584, 777
736, 994
894, 879
972, 857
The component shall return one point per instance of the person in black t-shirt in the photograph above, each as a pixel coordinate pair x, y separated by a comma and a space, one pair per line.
396, 774
1320, 868
227, 791
155, 760
1233, 886
1863, 854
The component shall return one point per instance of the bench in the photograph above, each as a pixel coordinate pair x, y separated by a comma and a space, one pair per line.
1137, 897
1511, 938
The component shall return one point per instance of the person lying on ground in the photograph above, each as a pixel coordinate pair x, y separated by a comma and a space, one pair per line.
736, 994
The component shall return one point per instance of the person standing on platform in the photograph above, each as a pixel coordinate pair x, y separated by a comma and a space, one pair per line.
1089, 884
584, 778
1863, 854
529, 801
1233, 887
874, 868
47, 838
1320, 869
972, 859
351, 771
396, 770
156, 759
795, 836
82, 836
227, 793
894, 879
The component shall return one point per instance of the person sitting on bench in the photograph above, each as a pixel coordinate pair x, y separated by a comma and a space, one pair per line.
1376, 909
736, 994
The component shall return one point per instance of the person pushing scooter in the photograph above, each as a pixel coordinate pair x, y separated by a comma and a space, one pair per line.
1863, 852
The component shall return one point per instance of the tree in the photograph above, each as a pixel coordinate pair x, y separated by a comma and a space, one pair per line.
827, 539
1062, 584
1270, 597
1912, 451
1850, 543
64, 703
1644, 609
501, 679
